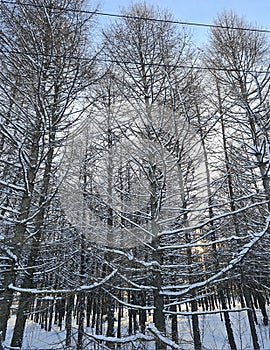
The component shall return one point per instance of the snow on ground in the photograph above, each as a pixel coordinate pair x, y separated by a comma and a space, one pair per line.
37, 338
213, 334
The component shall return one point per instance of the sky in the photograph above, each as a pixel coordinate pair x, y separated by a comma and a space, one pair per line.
203, 11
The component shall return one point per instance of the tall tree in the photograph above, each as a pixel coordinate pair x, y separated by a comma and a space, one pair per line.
237, 58
44, 73
148, 58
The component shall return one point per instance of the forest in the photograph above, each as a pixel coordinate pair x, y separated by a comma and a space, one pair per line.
134, 179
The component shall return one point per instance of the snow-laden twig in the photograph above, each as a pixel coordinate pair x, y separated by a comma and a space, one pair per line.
8, 251
131, 257
208, 221
181, 302
139, 286
128, 305
203, 244
64, 291
132, 338
191, 313
241, 255
12, 186
157, 334
9, 210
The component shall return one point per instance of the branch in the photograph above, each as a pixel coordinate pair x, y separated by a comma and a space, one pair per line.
12, 186
84, 288
132, 338
208, 221
152, 329
246, 249
191, 313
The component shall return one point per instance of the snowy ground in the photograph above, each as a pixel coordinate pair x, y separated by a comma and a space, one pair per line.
212, 333
37, 338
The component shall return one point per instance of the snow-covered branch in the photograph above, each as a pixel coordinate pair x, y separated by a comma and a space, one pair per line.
233, 263
208, 221
160, 337
123, 340
12, 186
82, 288
190, 313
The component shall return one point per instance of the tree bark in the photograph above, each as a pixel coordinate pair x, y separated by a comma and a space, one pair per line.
253, 331
68, 323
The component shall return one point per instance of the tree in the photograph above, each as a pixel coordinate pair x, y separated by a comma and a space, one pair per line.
240, 53
44, 73
148, 56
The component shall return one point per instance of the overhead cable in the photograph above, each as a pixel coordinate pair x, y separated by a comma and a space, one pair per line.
108, 14
136, 63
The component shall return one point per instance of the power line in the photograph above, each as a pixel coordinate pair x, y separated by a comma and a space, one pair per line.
108, 14
194, 24
136, 63
115, 61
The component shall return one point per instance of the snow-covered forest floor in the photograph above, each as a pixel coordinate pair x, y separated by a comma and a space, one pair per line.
213, 335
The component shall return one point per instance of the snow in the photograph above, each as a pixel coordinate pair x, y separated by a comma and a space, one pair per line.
132, 338
213, 335
208, 221
37, 338
8, 251
64, 291
162, 338
12, 186
215, 278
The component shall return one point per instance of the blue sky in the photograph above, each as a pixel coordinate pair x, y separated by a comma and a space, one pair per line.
204, 11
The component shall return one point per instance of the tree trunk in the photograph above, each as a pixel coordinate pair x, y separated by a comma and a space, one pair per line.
88, 310
5, 303
110, 321
68, 323
142, 314
254, 336
119, 318
174, 326
227, 321
10, 277
50, 315
158, 317
81, 317
196, 327
261, 301
24, 304
28, 283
